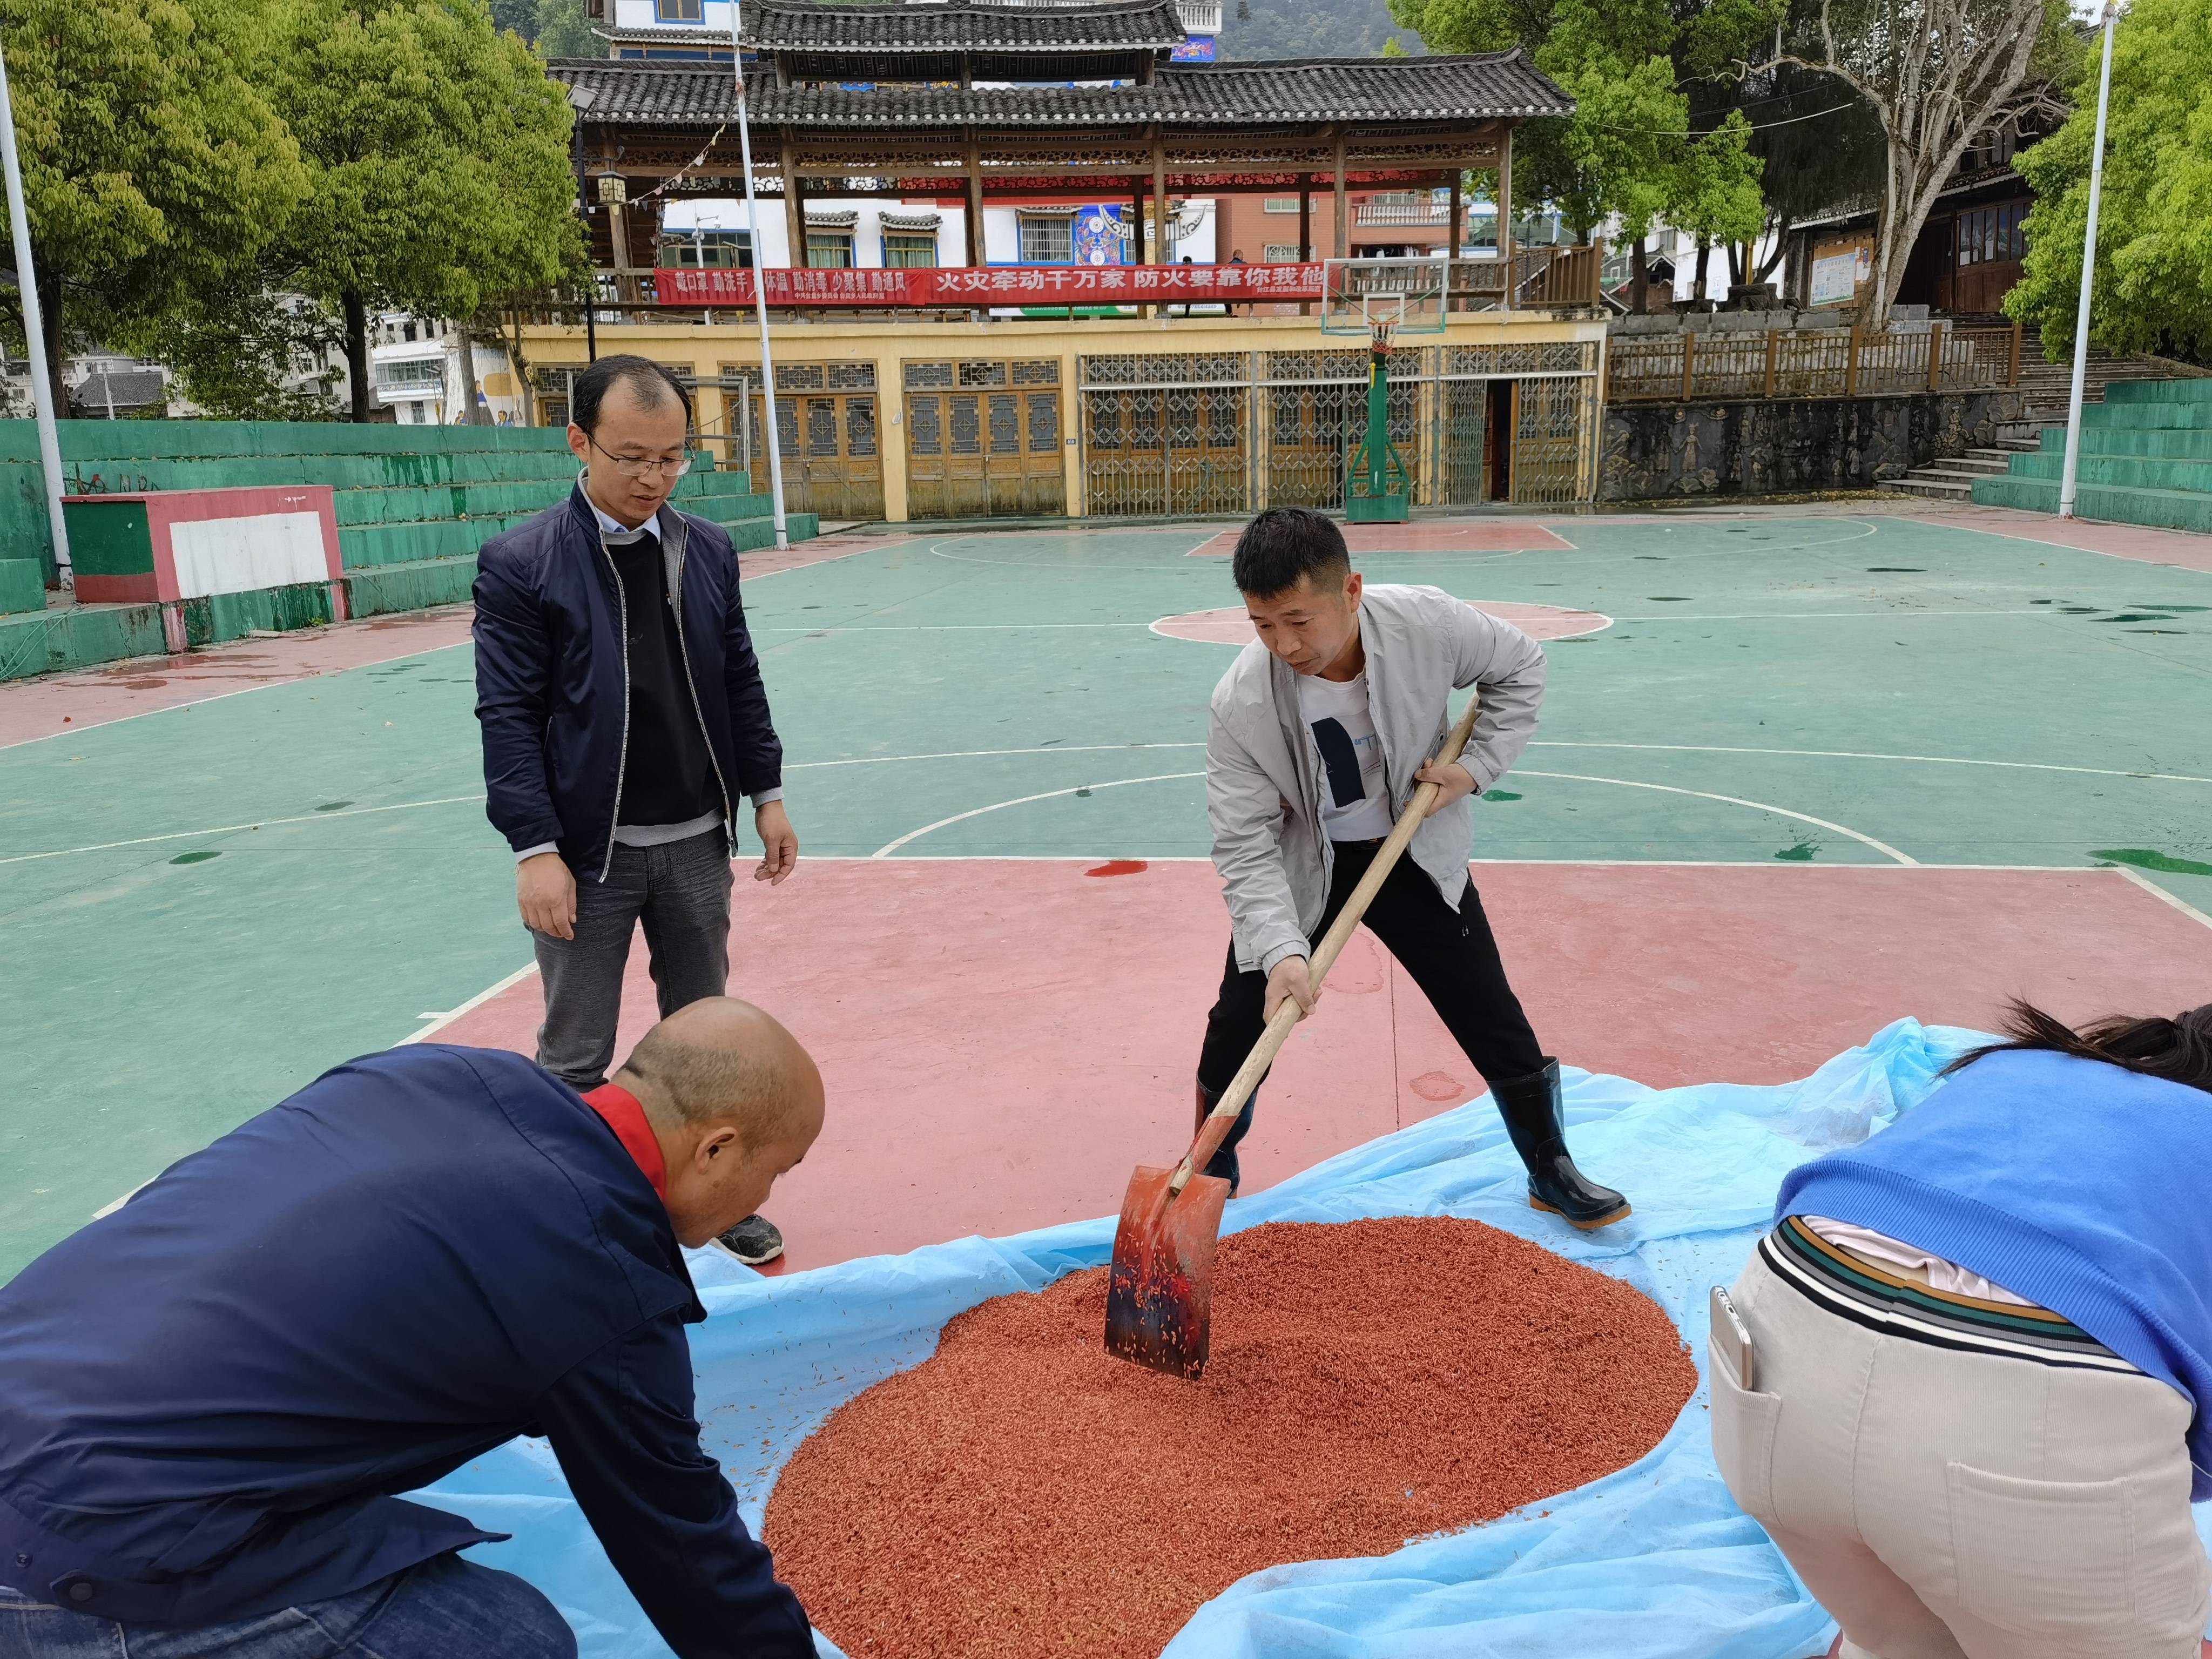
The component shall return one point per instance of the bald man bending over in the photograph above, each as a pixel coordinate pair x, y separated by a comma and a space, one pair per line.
212, 1396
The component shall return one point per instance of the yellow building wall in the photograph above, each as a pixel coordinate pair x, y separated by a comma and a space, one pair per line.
889, 345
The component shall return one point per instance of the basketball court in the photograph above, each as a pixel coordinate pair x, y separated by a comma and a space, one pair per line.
1801, 773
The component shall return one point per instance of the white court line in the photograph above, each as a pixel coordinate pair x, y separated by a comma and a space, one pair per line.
889, 847
936, 551
939, 628
2159, 893
1813, 616
1112, 748
1850, 754
328, 673
232, 828
1881, 847
439, 1022
219, 696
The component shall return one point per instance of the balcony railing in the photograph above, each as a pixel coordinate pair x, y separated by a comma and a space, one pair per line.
1402, 210
1831, 362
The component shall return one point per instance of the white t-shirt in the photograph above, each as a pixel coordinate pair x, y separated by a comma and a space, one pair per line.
1942, 1275
1355, 792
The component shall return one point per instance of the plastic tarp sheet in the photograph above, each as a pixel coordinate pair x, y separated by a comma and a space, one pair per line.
1653, 1562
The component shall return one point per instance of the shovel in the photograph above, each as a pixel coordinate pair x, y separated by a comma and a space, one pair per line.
1159, 1296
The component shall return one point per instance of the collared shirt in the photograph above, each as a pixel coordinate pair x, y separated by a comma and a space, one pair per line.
621, 535
215, 1396
626, 1117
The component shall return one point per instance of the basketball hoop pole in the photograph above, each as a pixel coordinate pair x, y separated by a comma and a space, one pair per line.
1378, 407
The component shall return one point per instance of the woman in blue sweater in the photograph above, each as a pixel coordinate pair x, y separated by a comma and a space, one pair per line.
1971, 1413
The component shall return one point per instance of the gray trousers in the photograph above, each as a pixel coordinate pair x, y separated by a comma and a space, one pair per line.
1943, 1503
681, 893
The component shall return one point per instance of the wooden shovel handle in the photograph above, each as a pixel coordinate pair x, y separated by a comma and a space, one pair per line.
1218, 1121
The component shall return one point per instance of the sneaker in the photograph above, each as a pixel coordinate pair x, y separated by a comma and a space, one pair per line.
753, 1241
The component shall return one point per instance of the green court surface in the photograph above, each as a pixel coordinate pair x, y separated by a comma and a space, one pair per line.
203, 907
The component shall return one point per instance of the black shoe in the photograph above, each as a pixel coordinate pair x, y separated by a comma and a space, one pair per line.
1223, 1165
753, 1241
1536, 1119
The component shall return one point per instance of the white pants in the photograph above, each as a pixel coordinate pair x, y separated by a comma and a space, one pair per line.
1942, 1503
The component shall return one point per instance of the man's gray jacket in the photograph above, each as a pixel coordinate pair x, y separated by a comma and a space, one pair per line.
1263, 769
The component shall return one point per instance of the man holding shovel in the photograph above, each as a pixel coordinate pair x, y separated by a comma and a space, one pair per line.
1319, 733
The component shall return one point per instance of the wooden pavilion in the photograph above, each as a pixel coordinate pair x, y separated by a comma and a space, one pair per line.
964, 99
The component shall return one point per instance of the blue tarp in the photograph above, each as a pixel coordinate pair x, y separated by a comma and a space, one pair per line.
1653, 1562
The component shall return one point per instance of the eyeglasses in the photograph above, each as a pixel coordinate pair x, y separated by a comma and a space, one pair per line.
633, 467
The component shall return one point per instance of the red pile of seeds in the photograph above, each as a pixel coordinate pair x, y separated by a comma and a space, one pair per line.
1023, 1494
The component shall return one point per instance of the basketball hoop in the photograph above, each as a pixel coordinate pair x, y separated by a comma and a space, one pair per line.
1380, 299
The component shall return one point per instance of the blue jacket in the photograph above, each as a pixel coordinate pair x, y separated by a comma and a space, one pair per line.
213, 1395
2067, 1182
553, 682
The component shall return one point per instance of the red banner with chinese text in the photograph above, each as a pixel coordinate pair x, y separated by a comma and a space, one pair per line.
993, 285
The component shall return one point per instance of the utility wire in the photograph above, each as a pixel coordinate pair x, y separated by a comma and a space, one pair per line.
1757, 126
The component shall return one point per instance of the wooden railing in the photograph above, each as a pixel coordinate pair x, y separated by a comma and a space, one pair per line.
1736, 363
1536, 278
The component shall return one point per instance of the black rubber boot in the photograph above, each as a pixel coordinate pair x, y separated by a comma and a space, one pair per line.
1223, 1163
1536, 1120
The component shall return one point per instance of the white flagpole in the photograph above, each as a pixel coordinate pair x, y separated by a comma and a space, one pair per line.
2089, 272
760, 290
34, 336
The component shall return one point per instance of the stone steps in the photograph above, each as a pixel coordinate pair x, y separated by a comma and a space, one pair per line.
2146, 457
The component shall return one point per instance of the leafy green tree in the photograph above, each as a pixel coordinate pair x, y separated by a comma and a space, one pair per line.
1631, 148
1937, 75
437, 161
516, 17
2154, 278
244, 353
153, 170
563, 31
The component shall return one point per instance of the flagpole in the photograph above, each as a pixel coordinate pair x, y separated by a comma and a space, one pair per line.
35, 337
2089, 272
760, 290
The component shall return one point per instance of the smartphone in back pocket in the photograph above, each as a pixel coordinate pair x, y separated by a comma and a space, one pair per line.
1731, 1342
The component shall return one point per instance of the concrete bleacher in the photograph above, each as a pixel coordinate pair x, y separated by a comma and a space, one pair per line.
2146, 458
414, 503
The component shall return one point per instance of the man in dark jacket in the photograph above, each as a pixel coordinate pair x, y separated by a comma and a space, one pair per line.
623, 715
214, 1394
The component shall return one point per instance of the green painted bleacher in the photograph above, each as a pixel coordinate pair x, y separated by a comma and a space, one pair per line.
414, 503
2146, 458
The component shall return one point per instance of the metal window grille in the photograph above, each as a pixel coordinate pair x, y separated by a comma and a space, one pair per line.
1179, 434
1047, 239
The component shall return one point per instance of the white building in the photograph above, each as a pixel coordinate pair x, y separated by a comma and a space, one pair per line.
416, 369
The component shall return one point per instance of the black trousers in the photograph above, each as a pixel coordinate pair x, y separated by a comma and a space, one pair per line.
1449, 954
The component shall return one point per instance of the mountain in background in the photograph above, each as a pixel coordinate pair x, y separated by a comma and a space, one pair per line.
1311, 28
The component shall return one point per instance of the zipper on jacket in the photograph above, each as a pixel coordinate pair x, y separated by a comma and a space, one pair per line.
683, 655
621, 756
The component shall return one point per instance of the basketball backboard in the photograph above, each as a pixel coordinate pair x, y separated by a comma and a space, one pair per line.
1368, 297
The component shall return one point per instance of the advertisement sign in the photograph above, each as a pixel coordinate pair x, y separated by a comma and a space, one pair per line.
1007, 285
1198, 51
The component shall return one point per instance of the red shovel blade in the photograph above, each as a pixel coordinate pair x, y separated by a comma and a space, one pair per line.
1159, 1298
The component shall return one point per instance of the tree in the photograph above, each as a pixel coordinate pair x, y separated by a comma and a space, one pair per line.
1937, 75
563, 31
1633, 148
152, 171
437, 159
242, 353
2154, 280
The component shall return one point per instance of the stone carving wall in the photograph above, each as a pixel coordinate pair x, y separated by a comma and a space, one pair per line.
1758, 446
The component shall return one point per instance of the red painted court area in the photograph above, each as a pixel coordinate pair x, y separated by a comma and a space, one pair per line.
986, 1075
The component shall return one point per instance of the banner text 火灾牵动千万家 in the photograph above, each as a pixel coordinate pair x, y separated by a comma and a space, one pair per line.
993, 285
